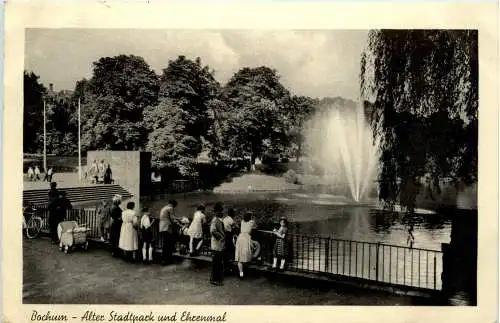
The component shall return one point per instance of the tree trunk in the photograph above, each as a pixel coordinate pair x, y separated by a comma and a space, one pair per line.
299, 152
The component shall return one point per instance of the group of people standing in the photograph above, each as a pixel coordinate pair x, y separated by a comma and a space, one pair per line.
224, 250
34, 174
130, 232
100, 173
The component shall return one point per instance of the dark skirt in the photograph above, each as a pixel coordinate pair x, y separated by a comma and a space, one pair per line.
281, 248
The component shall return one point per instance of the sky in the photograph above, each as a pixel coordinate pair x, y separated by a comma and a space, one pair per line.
316, 63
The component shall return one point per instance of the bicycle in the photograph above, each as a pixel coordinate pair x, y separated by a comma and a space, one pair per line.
33, 226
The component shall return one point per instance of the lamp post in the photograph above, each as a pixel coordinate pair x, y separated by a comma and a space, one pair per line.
44, 138
79, 144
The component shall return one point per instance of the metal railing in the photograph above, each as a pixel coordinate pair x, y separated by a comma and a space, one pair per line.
391, 264
385, 263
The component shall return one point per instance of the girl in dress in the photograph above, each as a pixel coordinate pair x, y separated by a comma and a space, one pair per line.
243, 253
147, 236
195, 230
128, 235
280, 246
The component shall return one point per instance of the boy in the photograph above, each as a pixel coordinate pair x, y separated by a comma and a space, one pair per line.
146, 236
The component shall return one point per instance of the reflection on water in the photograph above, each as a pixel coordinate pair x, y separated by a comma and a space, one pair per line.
331, 217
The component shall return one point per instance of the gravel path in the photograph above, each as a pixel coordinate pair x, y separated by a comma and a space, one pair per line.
93, 277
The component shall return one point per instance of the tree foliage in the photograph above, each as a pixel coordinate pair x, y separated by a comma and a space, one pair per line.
120, 89
255, 101
34, 93
168, 141
179, 123
62, 123
180, 115
424, 89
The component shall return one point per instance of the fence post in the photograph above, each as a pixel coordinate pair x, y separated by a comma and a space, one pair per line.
327, 255
376, 262
434, 270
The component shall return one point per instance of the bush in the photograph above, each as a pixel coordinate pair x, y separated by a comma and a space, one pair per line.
272, 168
291, 177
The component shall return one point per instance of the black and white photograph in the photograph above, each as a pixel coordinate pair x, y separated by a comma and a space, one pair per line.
225, 166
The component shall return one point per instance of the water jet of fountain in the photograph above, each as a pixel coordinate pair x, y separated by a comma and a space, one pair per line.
341, 141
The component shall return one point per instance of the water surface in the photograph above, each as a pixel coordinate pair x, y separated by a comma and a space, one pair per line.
323, 215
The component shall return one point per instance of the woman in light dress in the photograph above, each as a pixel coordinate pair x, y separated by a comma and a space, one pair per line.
243, 253
129, 241
195, 230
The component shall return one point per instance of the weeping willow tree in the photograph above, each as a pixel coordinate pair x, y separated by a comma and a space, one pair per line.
422, 86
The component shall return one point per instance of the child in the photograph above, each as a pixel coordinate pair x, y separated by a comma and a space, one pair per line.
147, 236
280, 247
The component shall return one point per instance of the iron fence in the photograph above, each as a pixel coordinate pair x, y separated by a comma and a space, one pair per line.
391, 264
397, 265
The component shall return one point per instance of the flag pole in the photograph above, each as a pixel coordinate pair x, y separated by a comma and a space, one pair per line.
79, 144
44, 139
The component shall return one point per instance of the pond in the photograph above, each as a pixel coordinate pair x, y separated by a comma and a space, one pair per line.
322, 215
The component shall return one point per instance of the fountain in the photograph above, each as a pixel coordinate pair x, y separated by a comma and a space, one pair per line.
341, 142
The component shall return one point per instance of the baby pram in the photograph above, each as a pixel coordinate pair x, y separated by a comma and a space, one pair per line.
71, 234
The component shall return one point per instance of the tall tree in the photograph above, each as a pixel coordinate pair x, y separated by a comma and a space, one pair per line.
256, 99
299, 110
424, 89
120, 89
181, 122
34, 93
62, 123
168, 141
191, 86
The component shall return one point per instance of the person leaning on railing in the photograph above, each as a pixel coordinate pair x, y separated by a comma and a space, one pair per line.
166, 231
217, 236
195, 231
230, 230
243, 251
